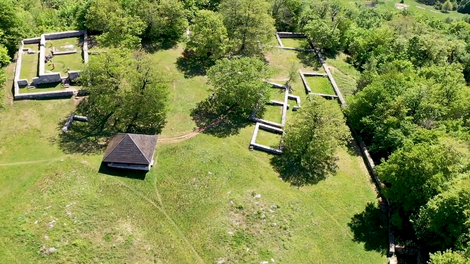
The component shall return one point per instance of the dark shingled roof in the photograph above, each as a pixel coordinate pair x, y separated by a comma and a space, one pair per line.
131, 149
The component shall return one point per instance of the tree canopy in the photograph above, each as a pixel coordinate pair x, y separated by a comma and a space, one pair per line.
248, 24
208, 38
128, 93
311, 143
238, 86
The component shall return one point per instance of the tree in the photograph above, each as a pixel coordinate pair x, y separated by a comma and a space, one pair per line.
166, 21
4, 60
448, 257
238, 86
128, 93
447, 6
311, 142
324, 25
119, 28
444, 222
380, 112
11, 27
208, 37
248, 24
286, 13
416, 173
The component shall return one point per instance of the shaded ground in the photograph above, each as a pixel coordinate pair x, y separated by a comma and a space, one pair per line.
227, 123
370, 227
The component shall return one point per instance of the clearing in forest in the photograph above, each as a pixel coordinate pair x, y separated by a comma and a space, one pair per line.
208, 199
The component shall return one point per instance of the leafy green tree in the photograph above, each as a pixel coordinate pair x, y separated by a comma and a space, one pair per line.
444, 222
119, 28
248, 24
3, 79
166, 21
208, 38
380, 112
447, 6
416, 173
311, 142
448, 257
128, 93
4, 58
238, 86
11, 27
286, 14
325, 25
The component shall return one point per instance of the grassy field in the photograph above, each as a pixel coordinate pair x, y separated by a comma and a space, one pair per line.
295, 42
422, 9
268, 139
43, 88
346, 76
272, 113
320, 85
29, 66
413, 6
207, 199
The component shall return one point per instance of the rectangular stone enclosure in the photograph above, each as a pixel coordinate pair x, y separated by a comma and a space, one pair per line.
27, 53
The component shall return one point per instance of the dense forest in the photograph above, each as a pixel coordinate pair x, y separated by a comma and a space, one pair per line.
411, 105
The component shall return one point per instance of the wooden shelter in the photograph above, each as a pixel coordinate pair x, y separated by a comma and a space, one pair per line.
130, 151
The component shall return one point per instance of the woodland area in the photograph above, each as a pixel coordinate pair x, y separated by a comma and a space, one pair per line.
411, 105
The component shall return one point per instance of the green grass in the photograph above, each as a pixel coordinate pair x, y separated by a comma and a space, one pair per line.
281, 61
278, 94
422, 9
62, 63
346, 76
199, 202
320, 85
43, 88
34, 47
61, 44
29, 66
268, 139
295, 43
414, 6
185, 93
272, 113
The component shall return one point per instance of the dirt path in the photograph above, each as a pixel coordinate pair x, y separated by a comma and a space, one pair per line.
167, 216
190, 134
30, 162
181, 138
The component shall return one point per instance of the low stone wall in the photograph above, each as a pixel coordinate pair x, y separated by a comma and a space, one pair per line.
47, 78
85, 47
31, 40
19, 60
65, 52
65, 34
42, 42
22, 83
290, 35
45, 95
73, 75
254, 145
42, 59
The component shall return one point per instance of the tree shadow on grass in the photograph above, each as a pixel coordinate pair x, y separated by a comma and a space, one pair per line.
292, 171
81, 139
215, 122
309, 59
191, 65
131, 174
370, 227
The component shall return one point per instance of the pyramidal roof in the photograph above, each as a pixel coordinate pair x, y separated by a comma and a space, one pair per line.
131, 149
